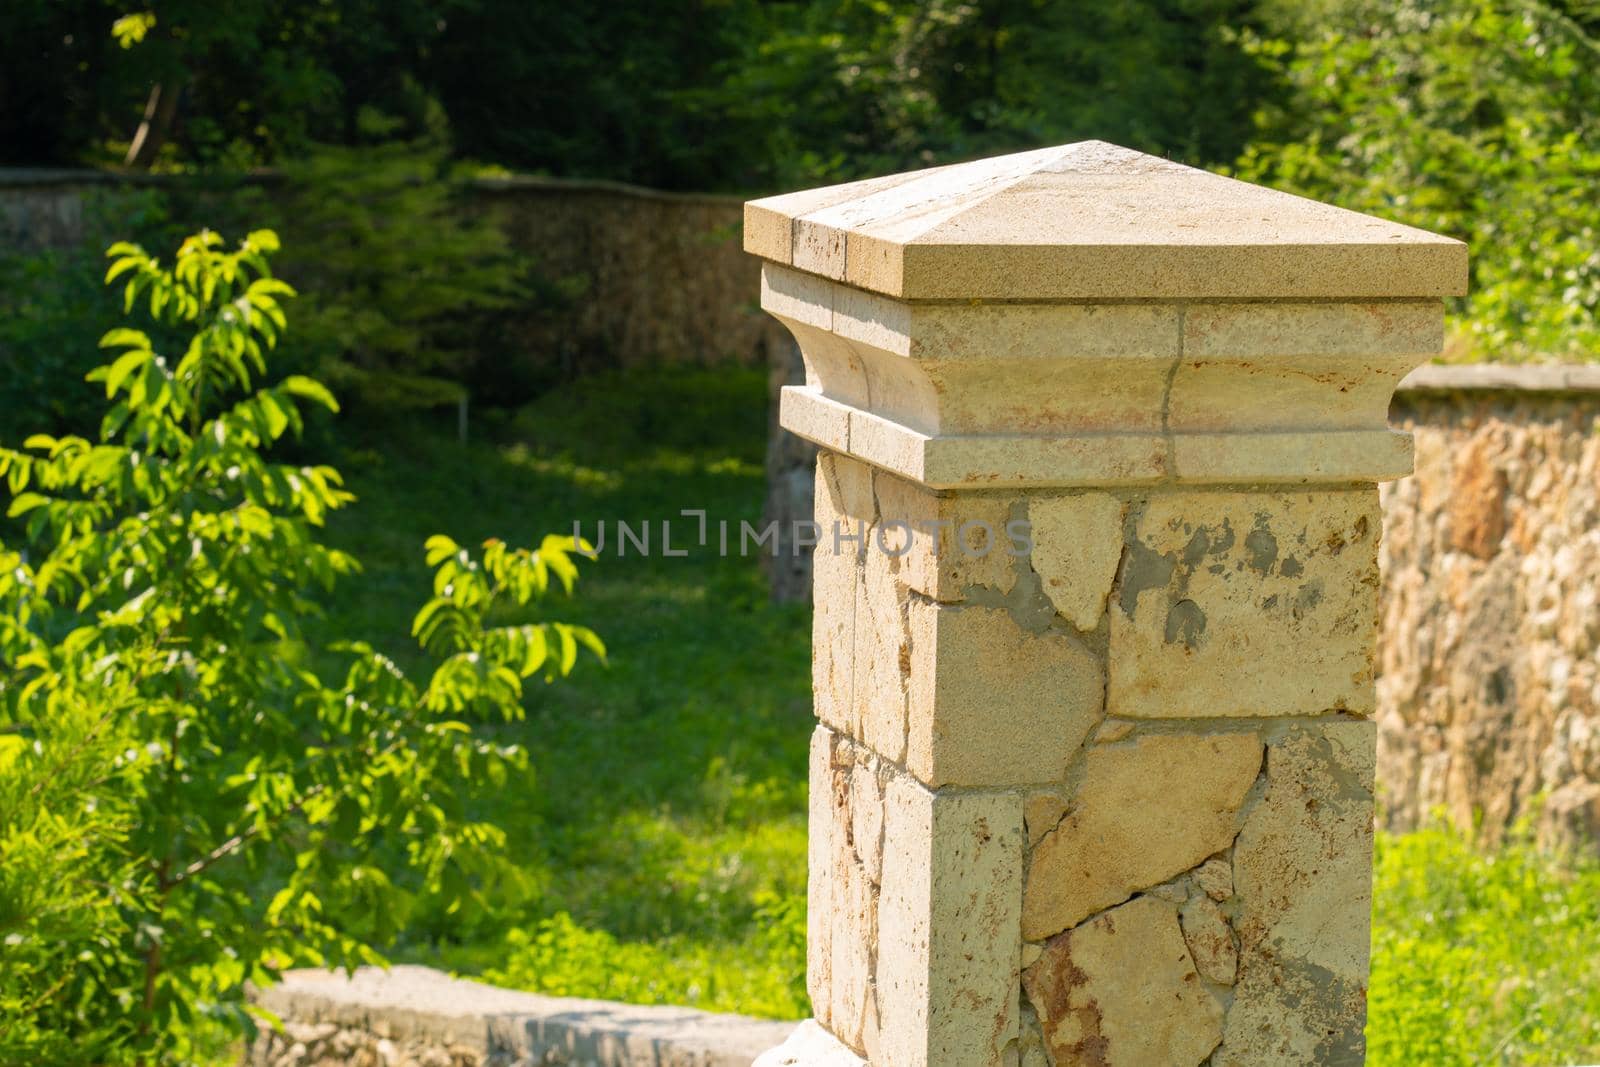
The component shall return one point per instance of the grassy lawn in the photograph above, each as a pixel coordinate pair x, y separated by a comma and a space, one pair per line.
663, 833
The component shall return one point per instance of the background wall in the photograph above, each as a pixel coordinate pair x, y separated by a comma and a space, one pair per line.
1488, 690
643, 276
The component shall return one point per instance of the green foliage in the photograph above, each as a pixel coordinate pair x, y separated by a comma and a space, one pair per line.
239, 84
70, 891
1474, 118
53, 306
749, 95
763, 976
862, 87
709, 94
1483, 957
230, 811
399, 277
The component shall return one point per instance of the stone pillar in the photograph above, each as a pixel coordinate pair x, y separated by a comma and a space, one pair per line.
1095, 606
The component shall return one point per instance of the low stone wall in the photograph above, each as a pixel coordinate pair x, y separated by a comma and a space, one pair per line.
418, 1017
656, 277
1488, 691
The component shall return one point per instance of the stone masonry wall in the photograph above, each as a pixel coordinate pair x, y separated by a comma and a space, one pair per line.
1489, 683
655, 276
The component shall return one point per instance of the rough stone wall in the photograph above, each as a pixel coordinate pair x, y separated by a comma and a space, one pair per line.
1489, 687
652, 277
301, 1044
42, 209
660, 277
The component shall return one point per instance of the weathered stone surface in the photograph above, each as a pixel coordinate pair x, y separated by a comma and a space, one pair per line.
950, 542
1030, 1049
1147, 809
1303, 877
1210, 939
866, 816
883, 656
1489, 687
844, 866
1122, 991
1077, 543
949, 948
1034, 226
1214, 877
849, 888
1292, 368
843, 491
1252, 604
410, 1016
992, 704
1042, 811
820, 874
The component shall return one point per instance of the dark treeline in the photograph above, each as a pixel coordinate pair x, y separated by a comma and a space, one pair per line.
1476, 118
685, 94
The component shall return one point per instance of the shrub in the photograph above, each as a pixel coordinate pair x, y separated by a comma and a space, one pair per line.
403, 281
53, 306
199, 805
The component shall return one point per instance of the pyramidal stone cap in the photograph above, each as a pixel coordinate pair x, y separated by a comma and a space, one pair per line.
1094, 221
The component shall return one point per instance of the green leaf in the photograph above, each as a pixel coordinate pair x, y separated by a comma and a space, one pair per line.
440, 548
122, 337
124, 366
310, 389
26, 502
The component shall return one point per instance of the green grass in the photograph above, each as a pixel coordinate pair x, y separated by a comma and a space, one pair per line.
663, 833
666, 815
1483, 958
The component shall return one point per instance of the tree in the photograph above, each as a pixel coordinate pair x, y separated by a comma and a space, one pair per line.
1474, 118
216, 798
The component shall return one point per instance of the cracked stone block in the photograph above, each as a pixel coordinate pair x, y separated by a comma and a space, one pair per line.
1077, 543
883, 656
949, 943
951, 543
1122, 991
1247, 604
842, 890
820, 875
1210, 939
993, 704
1302, 871
1042, 811
1147, 810
866, 817
843, 491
